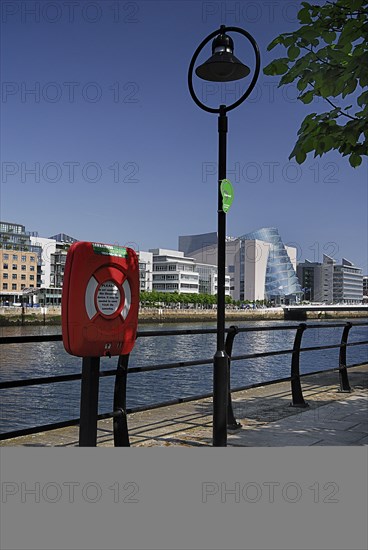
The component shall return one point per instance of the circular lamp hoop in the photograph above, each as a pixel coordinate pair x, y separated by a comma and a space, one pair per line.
247, 92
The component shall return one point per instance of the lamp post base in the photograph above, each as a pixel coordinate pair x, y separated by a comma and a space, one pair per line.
220, 398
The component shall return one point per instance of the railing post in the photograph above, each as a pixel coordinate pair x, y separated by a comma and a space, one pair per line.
89, 402
343, 373
232, 424
121, 434
296, 389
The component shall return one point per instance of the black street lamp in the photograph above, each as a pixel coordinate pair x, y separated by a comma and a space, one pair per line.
222, 66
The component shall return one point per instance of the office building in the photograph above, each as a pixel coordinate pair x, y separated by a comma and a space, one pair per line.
145, 260
316, 279
365, 285
331, 282
309, 276
347, 283
173, 272
259, 265
281, 283
192, 243
208, 279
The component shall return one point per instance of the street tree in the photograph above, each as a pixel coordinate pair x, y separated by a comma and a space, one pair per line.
327, 57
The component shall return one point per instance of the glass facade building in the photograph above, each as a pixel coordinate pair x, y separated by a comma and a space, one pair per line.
191, 243
281, 282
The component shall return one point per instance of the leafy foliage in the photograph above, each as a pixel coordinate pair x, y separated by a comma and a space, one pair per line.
157, 299
328, 57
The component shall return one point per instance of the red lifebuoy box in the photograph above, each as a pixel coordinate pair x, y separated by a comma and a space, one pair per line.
100, 300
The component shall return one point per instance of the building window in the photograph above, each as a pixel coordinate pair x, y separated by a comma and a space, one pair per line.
22, 287
24, 258
15, 266
23, 277
14, 286
14, 276
31, 268
5, 266
24, 267
33, 258
5, 286
5, 275
31, 277
159, 277
31, 286
5, 256
15, 256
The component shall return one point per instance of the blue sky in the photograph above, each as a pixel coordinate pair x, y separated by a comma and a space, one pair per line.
110, 146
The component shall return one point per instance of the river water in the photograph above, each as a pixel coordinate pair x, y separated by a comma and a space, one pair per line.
32, 406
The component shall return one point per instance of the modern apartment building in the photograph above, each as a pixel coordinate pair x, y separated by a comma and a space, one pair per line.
48, 247
58, 258
18, 271
19, 262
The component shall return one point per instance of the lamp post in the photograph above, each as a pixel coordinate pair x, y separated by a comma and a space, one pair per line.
222, 66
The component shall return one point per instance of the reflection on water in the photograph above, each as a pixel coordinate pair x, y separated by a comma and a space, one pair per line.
31, 406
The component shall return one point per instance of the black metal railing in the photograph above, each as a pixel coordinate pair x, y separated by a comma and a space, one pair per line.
119, 414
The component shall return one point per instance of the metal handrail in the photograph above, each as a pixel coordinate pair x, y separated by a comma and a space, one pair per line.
295, 376
198, 362
176, 332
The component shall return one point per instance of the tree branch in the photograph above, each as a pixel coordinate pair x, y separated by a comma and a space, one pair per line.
340, 109
357, 12
333, 65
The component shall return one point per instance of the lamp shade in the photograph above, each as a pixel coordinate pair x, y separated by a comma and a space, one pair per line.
222, 66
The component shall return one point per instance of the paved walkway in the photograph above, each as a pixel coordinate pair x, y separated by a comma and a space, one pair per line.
267, 419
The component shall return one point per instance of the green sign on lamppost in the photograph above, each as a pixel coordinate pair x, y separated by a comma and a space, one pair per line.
222, 66
227, 192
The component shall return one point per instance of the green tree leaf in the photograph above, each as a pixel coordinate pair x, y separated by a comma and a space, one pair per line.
304, 16
293, 52
277, 67
327, 57
329, 36
307, 97
355, 160
363, 99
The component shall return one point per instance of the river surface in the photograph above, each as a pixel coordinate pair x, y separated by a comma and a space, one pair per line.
32, 406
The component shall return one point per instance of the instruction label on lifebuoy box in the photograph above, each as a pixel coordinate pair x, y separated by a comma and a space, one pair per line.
108, 298
100, 300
